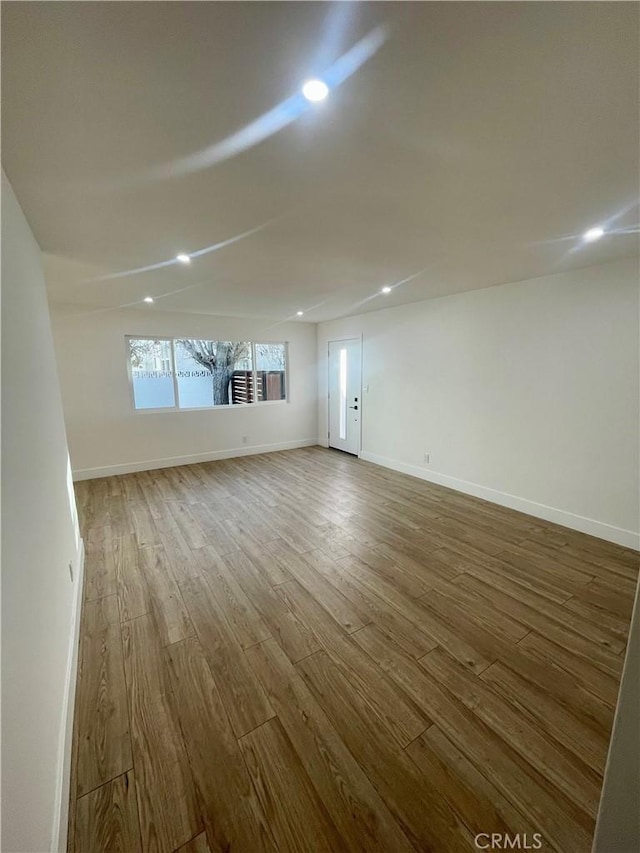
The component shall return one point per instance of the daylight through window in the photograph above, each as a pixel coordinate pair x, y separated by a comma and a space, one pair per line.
184, 373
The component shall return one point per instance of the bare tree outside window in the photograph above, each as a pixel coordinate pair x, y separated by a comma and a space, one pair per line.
188, 373
220, 358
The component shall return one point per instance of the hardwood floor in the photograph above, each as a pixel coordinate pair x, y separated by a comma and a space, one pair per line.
304, 652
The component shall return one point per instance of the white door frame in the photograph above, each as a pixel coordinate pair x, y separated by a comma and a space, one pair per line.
359, 337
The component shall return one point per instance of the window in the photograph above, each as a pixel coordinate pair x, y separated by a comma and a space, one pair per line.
185, 373
206, 372
270, 371
151, 373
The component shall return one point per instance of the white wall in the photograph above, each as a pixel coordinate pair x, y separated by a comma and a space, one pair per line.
526, 394
107, 436
39, 540
618, 826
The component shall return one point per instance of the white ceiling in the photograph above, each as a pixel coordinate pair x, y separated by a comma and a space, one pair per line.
475, 145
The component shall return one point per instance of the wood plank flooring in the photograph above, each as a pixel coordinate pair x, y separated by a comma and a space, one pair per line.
304, 652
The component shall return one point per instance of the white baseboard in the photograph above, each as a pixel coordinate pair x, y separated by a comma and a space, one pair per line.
61, 816
173, 461
627, 538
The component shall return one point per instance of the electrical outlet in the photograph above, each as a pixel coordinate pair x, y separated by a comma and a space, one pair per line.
427, 458
244, 439
71, 571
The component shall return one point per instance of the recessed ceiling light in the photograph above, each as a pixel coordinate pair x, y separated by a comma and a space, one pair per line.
299, 313
148, 299
184, 259
386, 290
315, 90
593, 234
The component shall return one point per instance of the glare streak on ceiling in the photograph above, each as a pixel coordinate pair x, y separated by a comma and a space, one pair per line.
387, 289
254, 133
606, 228
176, 261
273, 120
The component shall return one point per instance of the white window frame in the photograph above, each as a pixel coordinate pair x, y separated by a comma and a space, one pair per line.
176, 396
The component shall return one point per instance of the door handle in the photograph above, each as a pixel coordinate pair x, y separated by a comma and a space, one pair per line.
354, 407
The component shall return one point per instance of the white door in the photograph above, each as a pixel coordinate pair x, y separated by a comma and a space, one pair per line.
345, 395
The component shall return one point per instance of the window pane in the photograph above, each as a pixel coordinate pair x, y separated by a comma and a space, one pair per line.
343, 394
152, 373
270, 371
213, 373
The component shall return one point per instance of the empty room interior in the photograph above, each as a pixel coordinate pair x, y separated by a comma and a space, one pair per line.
320, 427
